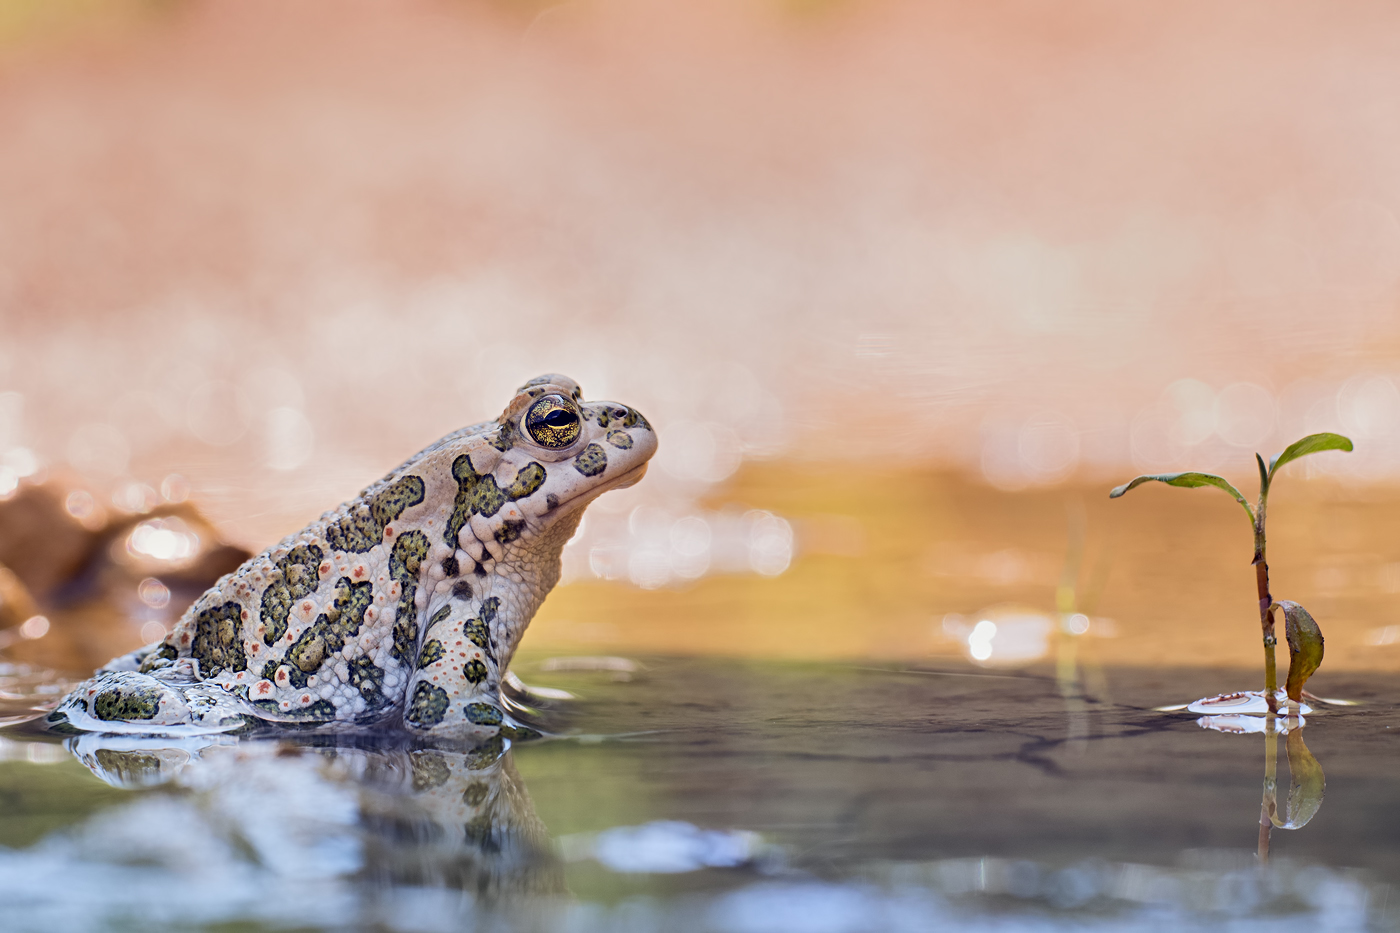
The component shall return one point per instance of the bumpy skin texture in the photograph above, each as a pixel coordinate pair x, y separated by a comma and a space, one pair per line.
405, 604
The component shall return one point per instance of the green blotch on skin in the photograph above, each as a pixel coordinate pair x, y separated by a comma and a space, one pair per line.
333, 628
321, 711
405, 560
346, 612
268, 706
355, 532
432, 652
466, 477
152, 660
405, 640
479, 495
474, 671
127, 702
504, 439
519, 733
529, 479
428, 705
606, 416
487, 498
269, 670
390, 503
483, 714
478, 631
368, 678
620, 439
477, 634
364, 527
296, 578
476, 793
510, 530
308, 651
217, 643
438, 616
592, 461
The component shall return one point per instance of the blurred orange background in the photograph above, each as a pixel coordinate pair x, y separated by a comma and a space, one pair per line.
905, 286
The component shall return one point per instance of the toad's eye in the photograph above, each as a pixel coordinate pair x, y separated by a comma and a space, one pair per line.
553, 422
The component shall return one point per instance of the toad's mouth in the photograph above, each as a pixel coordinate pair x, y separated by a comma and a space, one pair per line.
630, 478
620, 481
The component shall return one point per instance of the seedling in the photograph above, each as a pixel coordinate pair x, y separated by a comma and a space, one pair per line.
1304, 637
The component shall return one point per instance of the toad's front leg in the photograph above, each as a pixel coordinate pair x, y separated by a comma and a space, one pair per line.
468, 639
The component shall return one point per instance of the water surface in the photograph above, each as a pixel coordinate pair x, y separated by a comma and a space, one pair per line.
725, 795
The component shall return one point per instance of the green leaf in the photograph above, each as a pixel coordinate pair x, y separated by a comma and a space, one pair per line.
1304, 646
1312, 444
1188, 480
1307, 784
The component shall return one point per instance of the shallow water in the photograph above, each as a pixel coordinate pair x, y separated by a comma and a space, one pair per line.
726, 795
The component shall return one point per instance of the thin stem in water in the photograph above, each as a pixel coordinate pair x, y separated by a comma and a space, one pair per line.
1268, 808
1266, 600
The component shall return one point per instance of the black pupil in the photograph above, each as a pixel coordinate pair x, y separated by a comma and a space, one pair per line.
559, 418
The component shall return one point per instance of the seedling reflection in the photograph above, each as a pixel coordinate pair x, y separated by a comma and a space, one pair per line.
1307, 784
1073, 603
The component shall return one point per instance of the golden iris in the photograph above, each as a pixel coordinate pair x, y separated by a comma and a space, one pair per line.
553, 422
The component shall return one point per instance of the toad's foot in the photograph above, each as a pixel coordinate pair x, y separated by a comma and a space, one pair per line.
133, 703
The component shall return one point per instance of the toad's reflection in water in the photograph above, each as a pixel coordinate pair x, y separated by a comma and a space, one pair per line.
464, 820
421, 817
